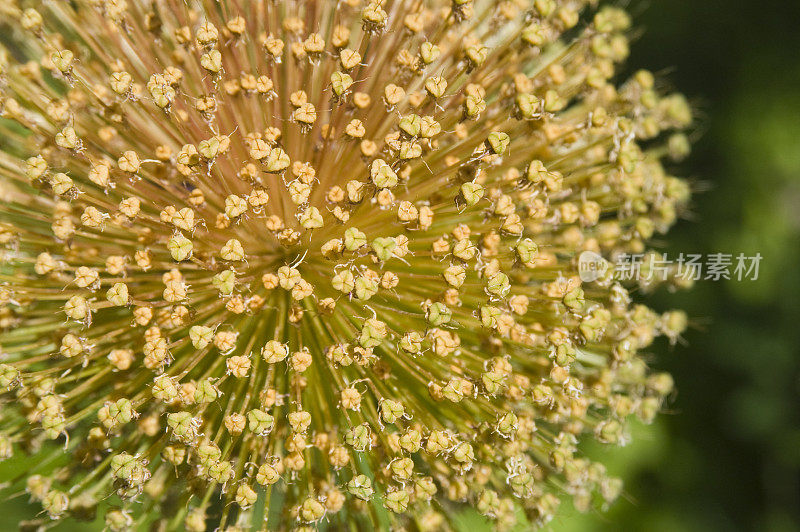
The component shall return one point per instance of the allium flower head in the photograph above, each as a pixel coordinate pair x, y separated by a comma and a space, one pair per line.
297, 264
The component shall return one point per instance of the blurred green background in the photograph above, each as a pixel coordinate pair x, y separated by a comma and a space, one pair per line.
727, 454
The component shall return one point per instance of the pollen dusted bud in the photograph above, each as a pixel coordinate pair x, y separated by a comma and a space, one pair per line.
271, 270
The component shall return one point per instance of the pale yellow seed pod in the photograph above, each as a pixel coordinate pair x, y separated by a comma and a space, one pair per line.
180, 247
238, 366
71, 346
393, 94
235, 206
302, 290
61, 184
63, 60
288, 277
436, 86
455, 275
274, 351
121, 359
235, 423
425, 217
92, 217
306, 114
350, 398
129, 162
201, 336
343, 281
35, 167
310, 218
45, 263
258, 198
77, 308
300, 361
267, 475
245, 496
299, 421
382, 174
174, 291
183, 219
99, 174
232, 250
225, 341
118, 294
68, 139
142, 315
212, 61
31, 20
349, 58
120, 82
130, 207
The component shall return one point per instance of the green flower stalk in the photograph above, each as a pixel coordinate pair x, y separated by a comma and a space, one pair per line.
282, 265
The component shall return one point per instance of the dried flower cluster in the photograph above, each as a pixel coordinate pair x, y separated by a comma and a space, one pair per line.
280, 264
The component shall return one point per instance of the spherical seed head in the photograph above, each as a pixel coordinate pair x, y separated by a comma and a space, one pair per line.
220, 287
